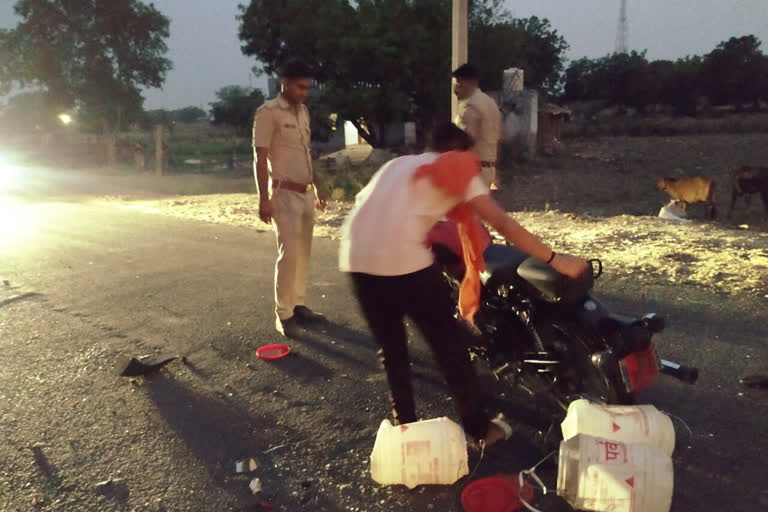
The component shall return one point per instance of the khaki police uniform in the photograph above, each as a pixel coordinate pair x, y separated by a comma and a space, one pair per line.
284, 129
480, 117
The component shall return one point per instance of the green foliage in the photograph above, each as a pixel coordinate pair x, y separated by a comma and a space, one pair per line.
528, 43
343, 183
188, 114
235, 107
148, 119
88, 54
384, 61
29, 110
735, 72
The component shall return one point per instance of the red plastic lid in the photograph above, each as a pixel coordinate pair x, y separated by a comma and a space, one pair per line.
495, 494
269, 352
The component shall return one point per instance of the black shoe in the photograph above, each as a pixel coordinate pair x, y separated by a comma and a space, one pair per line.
306, 316
289, 327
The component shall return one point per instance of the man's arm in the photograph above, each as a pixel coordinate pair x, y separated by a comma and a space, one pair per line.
262, 183
471, 121
262, 139
490, 211
320, 191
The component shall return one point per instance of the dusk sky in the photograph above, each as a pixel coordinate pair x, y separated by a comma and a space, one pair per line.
206, 52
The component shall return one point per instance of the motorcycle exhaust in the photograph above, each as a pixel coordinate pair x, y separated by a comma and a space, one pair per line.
687, 374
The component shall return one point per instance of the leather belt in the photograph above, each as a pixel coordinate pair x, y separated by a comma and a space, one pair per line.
487, 164
301, 188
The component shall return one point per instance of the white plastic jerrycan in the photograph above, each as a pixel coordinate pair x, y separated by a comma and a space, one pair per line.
629, 424
610, 476
425, 452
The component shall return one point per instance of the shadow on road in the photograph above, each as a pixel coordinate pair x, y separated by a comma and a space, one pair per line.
216, 431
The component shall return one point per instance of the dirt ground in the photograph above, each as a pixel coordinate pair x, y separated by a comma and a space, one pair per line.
597, 200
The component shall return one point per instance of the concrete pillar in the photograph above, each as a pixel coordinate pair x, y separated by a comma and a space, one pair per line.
459, 45
521, 123
159, 149
513, 80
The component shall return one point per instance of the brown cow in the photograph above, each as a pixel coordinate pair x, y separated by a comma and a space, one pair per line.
693, 189
749, 180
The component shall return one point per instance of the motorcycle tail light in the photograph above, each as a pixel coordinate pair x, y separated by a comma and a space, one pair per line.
639, 369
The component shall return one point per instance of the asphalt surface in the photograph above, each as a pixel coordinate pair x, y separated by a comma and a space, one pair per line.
88, 283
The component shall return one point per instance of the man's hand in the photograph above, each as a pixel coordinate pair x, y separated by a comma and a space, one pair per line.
266, 210
322, 198
570, 266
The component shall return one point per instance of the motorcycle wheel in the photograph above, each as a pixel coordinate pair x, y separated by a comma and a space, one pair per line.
579, 377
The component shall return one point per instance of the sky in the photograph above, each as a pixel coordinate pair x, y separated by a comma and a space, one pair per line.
206, 52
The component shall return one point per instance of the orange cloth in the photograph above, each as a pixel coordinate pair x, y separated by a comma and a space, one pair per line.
452, 172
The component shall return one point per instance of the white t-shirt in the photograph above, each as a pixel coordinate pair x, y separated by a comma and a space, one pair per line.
386, 232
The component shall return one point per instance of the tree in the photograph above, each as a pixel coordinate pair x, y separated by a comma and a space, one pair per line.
188, 114
527, 43
29, 110
148, 119
734, 72
384, 61
88, 54
628, 79
235, 106
682, 88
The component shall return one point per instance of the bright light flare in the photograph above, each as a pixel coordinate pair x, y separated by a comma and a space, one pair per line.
9, 174
65, 118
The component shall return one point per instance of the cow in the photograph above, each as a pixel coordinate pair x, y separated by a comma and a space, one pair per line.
749, 180
693, 189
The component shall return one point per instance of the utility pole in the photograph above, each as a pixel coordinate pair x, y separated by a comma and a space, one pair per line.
622, 32
458, 43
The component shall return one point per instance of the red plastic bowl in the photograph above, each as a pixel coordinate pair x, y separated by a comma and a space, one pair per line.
270, 352
495, 494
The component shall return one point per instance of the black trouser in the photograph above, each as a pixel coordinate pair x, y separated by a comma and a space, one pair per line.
425, 297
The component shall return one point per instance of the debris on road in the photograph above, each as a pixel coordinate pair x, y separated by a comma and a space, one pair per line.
246, 465
133, 367
674, 210
270, 352
755, 381
440, 459
16, 298
114, 487
496, 493
255, 486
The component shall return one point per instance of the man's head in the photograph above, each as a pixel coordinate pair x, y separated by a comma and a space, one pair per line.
449, 137
296, 81
466, 78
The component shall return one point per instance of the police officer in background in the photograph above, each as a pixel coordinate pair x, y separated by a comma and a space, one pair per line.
480, 117
288, 193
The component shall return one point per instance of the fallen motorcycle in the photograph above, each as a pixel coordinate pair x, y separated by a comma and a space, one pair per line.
549, 337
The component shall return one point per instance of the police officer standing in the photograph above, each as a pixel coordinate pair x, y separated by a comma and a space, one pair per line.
287, 191
480, 117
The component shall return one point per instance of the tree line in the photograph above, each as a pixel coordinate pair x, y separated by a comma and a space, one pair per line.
734, 73
377, 62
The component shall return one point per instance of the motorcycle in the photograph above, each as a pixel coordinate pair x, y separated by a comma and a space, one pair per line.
549, 337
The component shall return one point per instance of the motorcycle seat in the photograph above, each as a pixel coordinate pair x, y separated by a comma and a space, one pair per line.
505, 265
501, 264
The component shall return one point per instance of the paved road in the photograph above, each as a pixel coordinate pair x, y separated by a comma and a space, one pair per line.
104, 282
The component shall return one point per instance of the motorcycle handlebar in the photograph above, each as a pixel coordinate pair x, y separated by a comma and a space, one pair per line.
599, 263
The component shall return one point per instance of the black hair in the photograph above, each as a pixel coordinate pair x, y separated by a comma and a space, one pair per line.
449, 137
294, 69
468, 71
